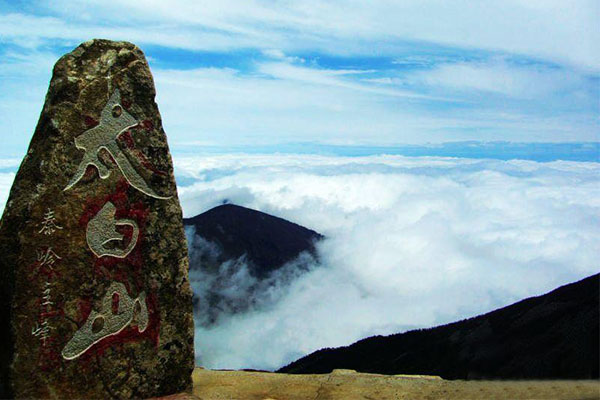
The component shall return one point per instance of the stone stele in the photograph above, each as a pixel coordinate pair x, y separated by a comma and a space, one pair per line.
95, 298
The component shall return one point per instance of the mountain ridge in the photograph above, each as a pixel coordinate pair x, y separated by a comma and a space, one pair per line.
554, 335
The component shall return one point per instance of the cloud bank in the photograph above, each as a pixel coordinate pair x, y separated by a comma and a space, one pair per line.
411, 242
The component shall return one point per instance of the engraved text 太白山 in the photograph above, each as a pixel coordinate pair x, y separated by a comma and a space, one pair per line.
101, 230
106, 322
114, 120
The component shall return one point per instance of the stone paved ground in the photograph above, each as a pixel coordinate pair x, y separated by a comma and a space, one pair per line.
349, 385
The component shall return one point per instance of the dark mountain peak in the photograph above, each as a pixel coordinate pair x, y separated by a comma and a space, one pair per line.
268, 242
234, 253
553, 336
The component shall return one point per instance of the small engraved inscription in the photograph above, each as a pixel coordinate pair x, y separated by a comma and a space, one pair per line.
49, 225
45, 265
108, 322
114, 121
46, 258
42, 330
101, 230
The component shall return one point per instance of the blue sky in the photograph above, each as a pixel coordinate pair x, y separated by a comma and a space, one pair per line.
348, 73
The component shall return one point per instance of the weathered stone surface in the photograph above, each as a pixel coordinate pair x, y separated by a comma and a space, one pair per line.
95, 299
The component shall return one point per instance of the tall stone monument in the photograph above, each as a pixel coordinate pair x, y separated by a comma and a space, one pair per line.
95, 298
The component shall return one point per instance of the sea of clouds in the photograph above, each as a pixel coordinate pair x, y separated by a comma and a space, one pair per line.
410, 242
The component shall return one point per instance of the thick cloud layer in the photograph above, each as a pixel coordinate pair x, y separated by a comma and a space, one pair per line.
411, 242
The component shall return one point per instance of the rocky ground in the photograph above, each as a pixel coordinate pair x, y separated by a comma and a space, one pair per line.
349, 385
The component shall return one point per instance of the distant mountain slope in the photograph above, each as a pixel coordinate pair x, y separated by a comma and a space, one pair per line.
268, 242
555, 335
243, 259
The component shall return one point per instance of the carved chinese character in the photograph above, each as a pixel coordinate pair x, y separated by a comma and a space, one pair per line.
43, 330
46, 296
49, 225
101, 230
114, 120
100, 325
47, 258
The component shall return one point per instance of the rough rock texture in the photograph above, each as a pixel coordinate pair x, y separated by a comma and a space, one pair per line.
95, 298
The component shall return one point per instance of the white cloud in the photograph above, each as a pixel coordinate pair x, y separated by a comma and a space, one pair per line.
6, 180
329, 78
411, 242
500, 77
286, 103
226, 107
23, 83
33, 31
278, 98
556, 30
290, 102
9, 162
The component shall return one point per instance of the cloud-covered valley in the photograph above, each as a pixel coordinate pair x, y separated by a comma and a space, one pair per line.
411, 242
